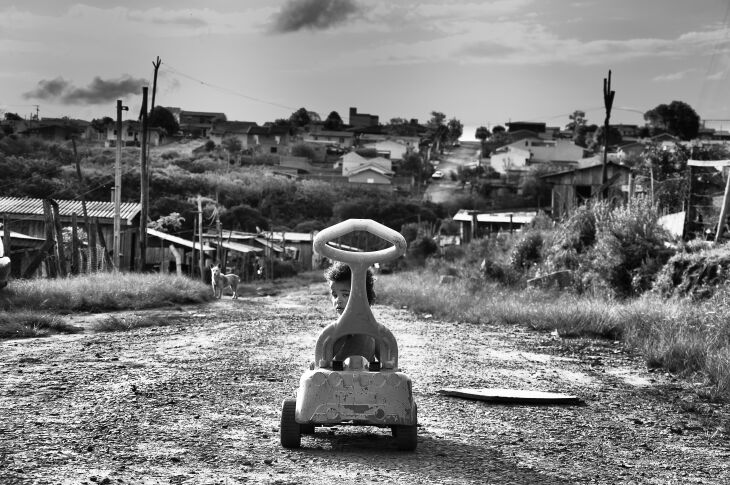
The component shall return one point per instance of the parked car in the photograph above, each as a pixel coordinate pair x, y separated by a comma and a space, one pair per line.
438, 174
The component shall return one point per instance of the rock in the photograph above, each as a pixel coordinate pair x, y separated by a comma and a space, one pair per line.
559, 279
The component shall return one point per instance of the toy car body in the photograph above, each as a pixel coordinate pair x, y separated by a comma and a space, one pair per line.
354, 391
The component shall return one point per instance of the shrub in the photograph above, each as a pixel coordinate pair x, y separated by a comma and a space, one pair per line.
526, 252
628, 239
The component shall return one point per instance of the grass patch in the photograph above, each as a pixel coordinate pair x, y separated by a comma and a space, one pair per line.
103, 292
31, 324
686, 337
130, 322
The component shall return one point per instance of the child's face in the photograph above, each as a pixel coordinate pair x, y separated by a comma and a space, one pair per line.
339, 293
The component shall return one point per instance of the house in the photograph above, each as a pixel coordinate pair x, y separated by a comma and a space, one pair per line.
629, 150
396, 149
509, 158
53, 129
225, 129
474, 224
269, 139
132, 134
352, 161
196, 124
370, 174
362, 120
343, 139
170, 253
26, 215
628, 132
571, 188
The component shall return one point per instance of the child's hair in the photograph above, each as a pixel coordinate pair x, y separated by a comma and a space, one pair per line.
341, 272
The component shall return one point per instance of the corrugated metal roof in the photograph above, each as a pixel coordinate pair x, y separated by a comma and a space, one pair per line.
96, 208
241, 248
178, 240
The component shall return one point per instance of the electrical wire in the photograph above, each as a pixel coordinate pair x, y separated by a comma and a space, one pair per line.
173, 70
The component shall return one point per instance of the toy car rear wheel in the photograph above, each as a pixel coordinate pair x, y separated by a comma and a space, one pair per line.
291, 434
406, 436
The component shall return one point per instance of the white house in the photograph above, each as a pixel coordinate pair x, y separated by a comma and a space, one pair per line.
509, 158
397, 149
352, 161
344, 139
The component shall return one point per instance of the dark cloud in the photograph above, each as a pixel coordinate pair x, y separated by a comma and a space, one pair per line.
313, 14
97, 92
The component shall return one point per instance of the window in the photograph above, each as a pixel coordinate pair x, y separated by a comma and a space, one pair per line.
273, 150
370, 180
582, 193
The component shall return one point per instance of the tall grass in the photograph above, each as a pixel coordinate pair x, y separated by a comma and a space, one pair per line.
684, 337
102, 292
27, 324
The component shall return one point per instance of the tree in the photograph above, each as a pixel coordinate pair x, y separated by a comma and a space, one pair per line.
577, 119
498, 129
455, 130
163, 118
300, 118
401, 127
677, 118
614, 137
334, 121
12, 117
232, 145
482, 133
101, 124
438, 130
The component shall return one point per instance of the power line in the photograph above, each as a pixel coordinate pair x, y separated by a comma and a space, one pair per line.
224, 89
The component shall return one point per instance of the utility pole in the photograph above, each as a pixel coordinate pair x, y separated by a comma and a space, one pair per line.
118, 188
144, 189
201, 264
156, 65
608, 95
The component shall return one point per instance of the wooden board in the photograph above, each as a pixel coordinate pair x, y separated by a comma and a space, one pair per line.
511, 396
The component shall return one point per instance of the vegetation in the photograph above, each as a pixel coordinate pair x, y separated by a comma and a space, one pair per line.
689, 339
102, 292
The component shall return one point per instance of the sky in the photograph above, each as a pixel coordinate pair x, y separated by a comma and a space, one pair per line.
485, 63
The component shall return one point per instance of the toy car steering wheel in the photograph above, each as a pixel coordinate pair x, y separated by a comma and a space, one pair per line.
357, 317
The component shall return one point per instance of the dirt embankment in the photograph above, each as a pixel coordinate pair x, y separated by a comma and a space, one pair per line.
198, 401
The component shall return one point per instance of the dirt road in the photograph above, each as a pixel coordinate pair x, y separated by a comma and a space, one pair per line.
198, 401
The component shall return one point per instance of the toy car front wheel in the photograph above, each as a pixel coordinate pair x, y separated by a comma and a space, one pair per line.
406, 436
291, 435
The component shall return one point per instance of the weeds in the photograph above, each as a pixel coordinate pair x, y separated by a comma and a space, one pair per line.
685, 337
31, 324
130, 322
103, 292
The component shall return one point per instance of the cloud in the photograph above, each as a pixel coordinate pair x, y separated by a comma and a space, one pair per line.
97, 92
313, 15
673, 76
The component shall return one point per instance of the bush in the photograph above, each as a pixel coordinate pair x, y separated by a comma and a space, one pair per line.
526, 253
284, 269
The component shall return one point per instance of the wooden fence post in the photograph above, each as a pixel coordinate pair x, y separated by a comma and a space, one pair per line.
74, 244
50, 239
59, 240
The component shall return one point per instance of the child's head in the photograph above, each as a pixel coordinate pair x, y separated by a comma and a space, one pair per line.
339, 277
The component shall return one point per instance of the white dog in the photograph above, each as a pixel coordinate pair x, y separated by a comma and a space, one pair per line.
222, 281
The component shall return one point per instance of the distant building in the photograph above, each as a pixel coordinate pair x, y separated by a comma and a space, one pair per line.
360, 120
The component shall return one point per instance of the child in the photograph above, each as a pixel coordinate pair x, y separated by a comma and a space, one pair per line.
339, 278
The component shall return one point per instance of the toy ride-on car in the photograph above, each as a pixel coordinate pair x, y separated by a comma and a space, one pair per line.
354, 391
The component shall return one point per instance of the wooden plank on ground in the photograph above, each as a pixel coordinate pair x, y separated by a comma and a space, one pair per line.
511, 396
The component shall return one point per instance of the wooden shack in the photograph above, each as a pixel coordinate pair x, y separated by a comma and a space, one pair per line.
572, 188
26, 216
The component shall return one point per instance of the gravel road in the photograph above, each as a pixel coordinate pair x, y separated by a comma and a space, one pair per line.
198, 401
